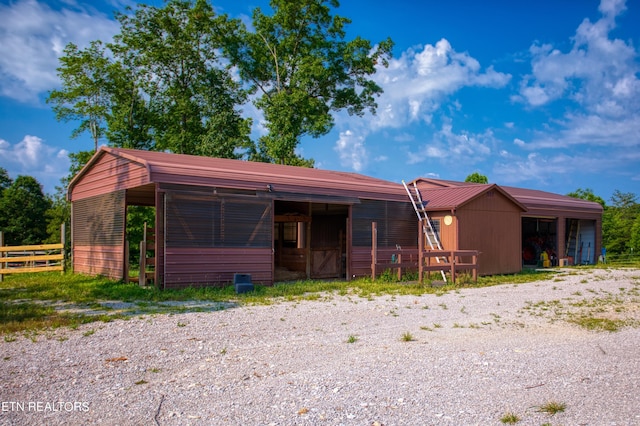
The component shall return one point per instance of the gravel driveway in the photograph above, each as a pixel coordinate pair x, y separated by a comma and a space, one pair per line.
467, 357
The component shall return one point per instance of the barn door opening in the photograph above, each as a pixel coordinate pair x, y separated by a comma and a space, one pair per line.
309, 240
539, 241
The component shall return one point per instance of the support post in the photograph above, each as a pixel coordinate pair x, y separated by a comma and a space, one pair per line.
374, 249
453, 268
420, 255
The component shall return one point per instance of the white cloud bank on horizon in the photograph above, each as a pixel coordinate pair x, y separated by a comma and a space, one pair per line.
33, 37
32, 157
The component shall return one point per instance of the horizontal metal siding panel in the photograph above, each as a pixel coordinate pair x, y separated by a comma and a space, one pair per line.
361, 261
99, 260
216, 266
397, 223
109, 174
206, 220
99, 220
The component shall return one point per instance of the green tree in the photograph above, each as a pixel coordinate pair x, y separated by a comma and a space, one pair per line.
298, 61
23, 206
618, 222
170, 54
84, 95
476, 177
5, 180
587, 194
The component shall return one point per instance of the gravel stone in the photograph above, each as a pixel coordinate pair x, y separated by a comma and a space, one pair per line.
476, 355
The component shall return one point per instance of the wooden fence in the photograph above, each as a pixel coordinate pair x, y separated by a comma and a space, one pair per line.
452, 262
32, 258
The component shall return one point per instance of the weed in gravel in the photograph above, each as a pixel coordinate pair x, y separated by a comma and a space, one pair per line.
141, 382
407, 337
352, 338
437, 325
552, 407
510, 418
89, 332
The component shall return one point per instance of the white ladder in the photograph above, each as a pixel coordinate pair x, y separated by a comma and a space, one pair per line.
423, 217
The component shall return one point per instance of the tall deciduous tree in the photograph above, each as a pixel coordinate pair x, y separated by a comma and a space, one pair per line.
303, 69
171, 55
84, 96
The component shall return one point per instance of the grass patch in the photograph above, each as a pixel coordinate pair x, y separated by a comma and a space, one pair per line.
407, 337
28, 301
510, 418
552, 407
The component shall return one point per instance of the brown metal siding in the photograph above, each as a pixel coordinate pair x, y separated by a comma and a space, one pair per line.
109, 173
160, 237
491, 225
186, 267
397, 225
210, 237
98, 235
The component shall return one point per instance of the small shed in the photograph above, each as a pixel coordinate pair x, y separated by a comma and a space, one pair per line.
567, 229
478, 217
218, 217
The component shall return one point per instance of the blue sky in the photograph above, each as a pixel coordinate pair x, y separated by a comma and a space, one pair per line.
542, 95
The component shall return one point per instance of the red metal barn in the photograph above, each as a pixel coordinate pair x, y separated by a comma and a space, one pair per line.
216, 217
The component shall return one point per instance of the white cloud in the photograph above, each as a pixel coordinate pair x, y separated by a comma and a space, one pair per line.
351, 150
456, 148
599, 75
555, 169
32, 37
415, 86
32, 157
416, 83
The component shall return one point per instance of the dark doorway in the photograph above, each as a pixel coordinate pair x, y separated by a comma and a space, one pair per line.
539, 235
309, 240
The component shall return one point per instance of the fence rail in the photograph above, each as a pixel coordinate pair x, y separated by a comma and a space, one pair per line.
31, 258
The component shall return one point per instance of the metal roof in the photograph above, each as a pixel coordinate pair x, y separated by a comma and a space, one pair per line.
453, 197
262, 177
532, 199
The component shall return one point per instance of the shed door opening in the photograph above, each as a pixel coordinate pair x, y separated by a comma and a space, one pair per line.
539, 235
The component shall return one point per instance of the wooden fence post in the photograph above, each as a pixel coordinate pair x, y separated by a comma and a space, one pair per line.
63, 237
1, 254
